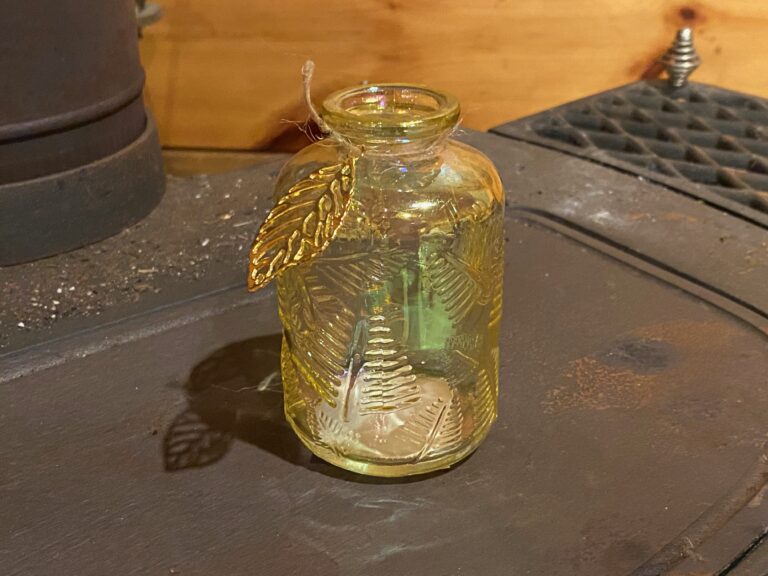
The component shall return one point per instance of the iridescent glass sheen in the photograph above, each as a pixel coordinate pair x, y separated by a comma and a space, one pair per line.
391, 335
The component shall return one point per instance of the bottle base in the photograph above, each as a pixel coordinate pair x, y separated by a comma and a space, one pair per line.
389, 470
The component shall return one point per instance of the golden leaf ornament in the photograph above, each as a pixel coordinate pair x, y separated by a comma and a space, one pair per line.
302, 223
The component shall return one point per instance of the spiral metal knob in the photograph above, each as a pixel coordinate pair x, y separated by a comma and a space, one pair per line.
681, 59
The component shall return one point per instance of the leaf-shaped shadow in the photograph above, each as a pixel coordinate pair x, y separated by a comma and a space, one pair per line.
302, 223
191, 442
234, 393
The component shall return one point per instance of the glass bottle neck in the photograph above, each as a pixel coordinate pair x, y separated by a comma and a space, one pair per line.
395, 151
389, 120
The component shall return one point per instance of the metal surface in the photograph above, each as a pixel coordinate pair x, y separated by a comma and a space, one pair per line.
66, 210
193, 244
71, 148
72, 98
709, 142
630, 441
681, 60
86, 49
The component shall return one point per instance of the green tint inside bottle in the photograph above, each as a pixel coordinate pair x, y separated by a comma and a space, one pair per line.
390, 352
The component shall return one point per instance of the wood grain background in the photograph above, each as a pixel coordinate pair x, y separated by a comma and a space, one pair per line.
225, 74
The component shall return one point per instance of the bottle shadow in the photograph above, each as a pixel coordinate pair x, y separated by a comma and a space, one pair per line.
235, 394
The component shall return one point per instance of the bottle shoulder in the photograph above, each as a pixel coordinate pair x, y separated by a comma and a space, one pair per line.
458, 168
407, 196
307, 160
467, 168
460, 186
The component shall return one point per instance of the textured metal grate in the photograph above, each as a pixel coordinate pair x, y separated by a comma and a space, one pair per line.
702, 134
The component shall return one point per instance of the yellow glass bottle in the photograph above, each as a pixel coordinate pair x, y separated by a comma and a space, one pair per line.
387, 245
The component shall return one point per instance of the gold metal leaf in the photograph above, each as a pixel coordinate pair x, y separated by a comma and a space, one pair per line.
302, 223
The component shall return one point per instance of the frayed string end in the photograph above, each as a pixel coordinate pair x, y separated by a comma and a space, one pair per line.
306, 72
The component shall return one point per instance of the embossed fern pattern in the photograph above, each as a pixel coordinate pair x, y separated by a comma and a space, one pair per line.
323, 325
495, 238
340, 346
468, 373
336, 344
331, 432
457, 284
393, 342
435, 429
485, 400
352, 275
388, 379
460, 277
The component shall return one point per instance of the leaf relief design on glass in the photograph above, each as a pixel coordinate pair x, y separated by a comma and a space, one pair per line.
319, 341
388, 380
339, 345
468, 372
302, 223
495, 239
458, 285
354, 275
485, 400
459, 276
494, 371
349, 337
330, 433
435, 429
378, 376
291, 396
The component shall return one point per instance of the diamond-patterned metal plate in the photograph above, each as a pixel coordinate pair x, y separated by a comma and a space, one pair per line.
700, 134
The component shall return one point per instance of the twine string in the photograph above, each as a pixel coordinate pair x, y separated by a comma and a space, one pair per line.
307, 71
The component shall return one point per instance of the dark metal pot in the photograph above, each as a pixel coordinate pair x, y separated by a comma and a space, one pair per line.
79, 157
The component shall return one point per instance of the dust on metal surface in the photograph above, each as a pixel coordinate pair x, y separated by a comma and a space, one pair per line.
196, 240
632, 404
192, 417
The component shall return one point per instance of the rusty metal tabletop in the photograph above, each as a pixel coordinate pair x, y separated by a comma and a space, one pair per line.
631, 436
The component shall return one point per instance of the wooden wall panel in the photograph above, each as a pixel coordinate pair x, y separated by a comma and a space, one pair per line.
226, 73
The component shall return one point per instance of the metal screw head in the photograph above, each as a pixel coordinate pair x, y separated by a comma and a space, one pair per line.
681, 59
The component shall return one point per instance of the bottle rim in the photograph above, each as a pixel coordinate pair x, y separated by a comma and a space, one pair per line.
390, 111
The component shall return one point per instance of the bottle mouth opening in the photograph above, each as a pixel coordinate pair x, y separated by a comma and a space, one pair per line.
382, 112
